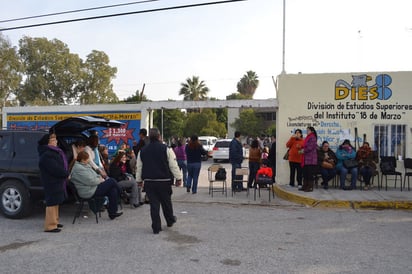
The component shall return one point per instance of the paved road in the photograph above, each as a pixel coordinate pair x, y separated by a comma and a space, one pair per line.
241, 236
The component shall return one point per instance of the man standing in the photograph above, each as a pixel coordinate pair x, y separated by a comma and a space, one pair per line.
157, 167
143, 140
272, 157
236, 159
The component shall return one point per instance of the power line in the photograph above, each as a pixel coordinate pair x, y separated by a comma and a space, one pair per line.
75, 11
120, 14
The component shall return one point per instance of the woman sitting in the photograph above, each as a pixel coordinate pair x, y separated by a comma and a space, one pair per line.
367, 166
346, 152
90, 184
120, 170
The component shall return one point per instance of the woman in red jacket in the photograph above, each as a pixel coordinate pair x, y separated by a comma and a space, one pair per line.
294, 144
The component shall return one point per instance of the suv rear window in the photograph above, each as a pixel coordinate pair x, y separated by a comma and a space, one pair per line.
222, 144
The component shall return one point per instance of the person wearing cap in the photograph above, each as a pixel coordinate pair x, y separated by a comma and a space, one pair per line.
54, 171
156, 167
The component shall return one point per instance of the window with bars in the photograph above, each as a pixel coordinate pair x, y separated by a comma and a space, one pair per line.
389, 140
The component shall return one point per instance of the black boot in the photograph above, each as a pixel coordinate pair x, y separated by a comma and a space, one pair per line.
304, 186
309, 187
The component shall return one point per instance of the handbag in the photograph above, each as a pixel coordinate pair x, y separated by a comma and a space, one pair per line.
327, 165
350, 163
286, 156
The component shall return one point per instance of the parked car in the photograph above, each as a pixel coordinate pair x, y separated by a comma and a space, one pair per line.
221, 150
20, 183
207, 142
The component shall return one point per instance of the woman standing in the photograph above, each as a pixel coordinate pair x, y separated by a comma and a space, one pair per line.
255, 155
181, 159
54, 171
194, 151
367, 166
309, 159
294, 144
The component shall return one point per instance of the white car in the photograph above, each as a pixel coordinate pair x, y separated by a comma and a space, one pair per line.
221, 150
208, 142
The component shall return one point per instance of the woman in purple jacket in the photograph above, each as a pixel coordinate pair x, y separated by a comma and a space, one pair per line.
310, 159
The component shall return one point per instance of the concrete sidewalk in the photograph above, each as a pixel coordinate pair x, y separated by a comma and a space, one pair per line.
285, 195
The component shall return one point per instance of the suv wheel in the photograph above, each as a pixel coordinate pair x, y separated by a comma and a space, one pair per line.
15, 200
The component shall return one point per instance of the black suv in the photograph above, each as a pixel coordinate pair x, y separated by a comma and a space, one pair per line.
20, 183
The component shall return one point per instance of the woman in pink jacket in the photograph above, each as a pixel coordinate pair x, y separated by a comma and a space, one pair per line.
309, 159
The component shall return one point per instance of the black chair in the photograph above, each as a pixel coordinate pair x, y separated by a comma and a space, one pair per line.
211, 171
95, 203
388, 168
407, 163
264, 182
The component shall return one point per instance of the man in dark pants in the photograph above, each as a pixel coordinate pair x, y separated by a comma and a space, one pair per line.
272, 157
236, 159
157, 167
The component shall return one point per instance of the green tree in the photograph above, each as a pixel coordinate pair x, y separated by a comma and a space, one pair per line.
194, 90
248, 123
173, 122
52, 72
237, 96
10, 70
204, 123
248, 84
96, 86
138, 97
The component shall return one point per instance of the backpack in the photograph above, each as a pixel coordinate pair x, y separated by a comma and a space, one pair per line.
220, 174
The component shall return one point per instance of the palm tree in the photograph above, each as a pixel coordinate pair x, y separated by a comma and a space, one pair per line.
193, 89
248, 84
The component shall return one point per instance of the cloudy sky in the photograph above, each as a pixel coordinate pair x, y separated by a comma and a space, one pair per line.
219, 43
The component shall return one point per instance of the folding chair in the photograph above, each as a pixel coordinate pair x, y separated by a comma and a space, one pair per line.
240, 178
388, 168
211, 172
95, 203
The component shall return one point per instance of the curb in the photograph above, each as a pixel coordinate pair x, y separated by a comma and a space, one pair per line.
304, 200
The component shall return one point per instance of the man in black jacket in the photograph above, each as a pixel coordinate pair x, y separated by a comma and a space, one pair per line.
272, 157
157, 167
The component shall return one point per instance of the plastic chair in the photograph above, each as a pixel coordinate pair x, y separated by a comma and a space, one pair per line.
407, 163
95, 203
388, 168
211, 172
240, 178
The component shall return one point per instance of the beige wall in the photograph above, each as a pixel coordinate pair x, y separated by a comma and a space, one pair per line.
336, 104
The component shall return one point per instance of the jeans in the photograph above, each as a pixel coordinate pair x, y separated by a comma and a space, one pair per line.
193, 170
366, 173
327, 174
110, 189
354, 176
183, 167
253, 168
135, 194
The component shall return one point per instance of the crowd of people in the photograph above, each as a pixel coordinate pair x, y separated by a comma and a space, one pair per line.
307, 160
148, 166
